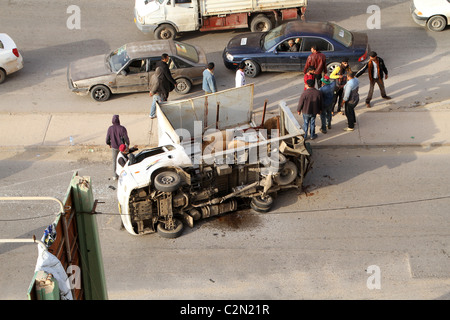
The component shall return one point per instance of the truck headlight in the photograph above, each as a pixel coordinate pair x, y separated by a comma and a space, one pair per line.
229, 57
140, 19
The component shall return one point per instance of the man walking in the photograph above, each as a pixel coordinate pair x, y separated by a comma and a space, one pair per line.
158, 91
209, 81
377, 69
115, 136
167, 81
317, 60
310, 104
327, 91
350, 100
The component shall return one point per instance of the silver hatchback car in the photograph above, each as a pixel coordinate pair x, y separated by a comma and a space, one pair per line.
130, 67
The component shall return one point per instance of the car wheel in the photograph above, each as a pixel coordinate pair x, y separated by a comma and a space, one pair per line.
2, 75
261, 23
165, 32
100, 93
252, 69
170, 233
167, 181
332, 66
183, 86
436, 23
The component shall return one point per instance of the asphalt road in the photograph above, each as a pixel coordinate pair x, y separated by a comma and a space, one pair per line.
360, 209
417, 59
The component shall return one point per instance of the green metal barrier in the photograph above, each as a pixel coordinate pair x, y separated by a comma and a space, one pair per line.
77, 247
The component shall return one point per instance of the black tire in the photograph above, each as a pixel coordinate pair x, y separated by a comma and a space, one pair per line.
172, 233
167, 181
252, 69
100, 93
259, 209
2, 75
165, 32
287, 174
331, 66
261, 23
264, 203
437, 23
183, 86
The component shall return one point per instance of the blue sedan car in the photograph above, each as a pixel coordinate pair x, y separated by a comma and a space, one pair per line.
270, 51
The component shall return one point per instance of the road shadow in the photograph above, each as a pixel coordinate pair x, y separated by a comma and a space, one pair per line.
46, 63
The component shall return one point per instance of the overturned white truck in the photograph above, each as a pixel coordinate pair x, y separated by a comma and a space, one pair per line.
212, 158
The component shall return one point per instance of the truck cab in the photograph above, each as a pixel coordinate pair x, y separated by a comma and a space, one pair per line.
165, 18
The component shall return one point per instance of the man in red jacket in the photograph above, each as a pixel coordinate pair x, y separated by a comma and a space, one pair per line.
318, 60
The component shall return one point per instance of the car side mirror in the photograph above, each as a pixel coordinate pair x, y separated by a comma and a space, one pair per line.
123, 72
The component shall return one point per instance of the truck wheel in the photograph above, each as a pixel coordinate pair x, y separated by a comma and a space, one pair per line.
183, 86
287, 174
100, 93
437, 23
252, 69
259, 209
261, 23
170, 233
165, 32
167, 181
264, 203
2, 75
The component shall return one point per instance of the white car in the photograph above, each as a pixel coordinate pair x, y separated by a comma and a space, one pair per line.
10, 58
435, 14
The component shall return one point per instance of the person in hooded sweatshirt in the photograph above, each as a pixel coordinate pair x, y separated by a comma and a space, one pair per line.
115, 136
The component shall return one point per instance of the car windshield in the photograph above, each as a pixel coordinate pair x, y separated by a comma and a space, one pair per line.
118, 58
187, 51
273, 37
342, 35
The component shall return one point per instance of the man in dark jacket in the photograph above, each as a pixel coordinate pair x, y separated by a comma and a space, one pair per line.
166, 78
157, 91
116, 135
310, 105
327, 91
318, 60
377, 69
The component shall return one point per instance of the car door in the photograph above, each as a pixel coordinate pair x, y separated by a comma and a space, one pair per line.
289, 58
134, 77
321, 44
280, 59
182, 13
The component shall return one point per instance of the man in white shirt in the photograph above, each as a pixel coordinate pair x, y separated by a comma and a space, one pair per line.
240, 75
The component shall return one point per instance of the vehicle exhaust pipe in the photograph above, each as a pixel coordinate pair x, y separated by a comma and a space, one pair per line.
214, 210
